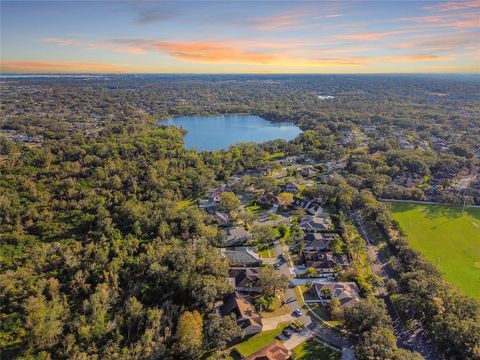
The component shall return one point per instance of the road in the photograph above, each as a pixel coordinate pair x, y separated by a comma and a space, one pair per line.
414, 341
318, 330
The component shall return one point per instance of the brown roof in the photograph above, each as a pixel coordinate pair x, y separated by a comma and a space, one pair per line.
273, 351
243, 310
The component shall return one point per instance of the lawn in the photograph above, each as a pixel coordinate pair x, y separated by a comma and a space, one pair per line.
448, 238
312, 350
266, 253
260, 340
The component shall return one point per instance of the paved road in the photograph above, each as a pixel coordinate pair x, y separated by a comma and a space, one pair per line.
414, 341
321, 332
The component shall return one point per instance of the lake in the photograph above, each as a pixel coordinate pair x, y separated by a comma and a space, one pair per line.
220, 131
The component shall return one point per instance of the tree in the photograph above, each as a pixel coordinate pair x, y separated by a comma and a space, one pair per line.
366, 314
220, 330
311, 271
189, 333
228, 201
377, 343
44, 321
336, 310
264, 234
270, 281
285, 199
247, 216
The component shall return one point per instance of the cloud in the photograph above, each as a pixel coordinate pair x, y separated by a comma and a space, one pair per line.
457, 20
454, 5
64, 66
155, 16
201, 51
283, 21
367, 36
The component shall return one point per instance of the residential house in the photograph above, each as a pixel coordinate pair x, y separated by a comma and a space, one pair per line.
310, 206
222, 218
268, 199
311, 223
318, 241
291, 187
241, 256
309, 172
247, 317
347, 293
244, 279
237, 235
215, 194
273, 351
324, 262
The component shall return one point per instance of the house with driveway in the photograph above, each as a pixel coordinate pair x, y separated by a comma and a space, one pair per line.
247, 317
347, 293
314, 224
241, 256
325, 262
318, 241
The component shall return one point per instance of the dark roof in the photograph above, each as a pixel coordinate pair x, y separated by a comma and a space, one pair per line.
244, 277
241, 256
324, 260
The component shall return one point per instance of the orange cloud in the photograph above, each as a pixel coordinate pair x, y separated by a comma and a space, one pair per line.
208, 52
462, 20
456, 5
71, 67
415, 58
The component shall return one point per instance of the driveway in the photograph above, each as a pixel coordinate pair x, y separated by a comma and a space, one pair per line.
272, 323
316, 330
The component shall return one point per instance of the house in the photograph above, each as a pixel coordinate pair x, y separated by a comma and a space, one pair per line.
247, 317
291, 187
309, 172
318, 241
244, 279
215, 194
324, 262
268, 199
237, 235
241, 256
312, 223
222, 218
347, 293
273, 351
310, 206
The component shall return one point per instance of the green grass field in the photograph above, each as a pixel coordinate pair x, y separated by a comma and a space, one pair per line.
312, 350
446, 237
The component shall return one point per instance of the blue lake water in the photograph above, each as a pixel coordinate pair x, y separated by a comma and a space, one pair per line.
220, 131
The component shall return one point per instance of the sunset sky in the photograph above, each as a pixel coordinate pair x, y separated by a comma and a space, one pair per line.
240, 37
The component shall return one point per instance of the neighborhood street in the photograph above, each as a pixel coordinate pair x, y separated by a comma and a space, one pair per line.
319, 331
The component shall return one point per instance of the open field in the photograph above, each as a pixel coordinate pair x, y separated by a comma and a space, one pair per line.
446, 237
260, 340
312, 350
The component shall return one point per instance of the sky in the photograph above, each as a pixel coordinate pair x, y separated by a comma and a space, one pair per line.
240, 37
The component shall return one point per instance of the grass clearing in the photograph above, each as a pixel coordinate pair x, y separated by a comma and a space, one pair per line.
260, 340
448, 238
266, 253
312, 350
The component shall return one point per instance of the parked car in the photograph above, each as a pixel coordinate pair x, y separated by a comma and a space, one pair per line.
297, 312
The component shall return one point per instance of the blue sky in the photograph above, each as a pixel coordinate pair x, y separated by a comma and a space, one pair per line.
240, 37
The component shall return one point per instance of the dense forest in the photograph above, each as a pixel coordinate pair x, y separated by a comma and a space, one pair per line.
99, 260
